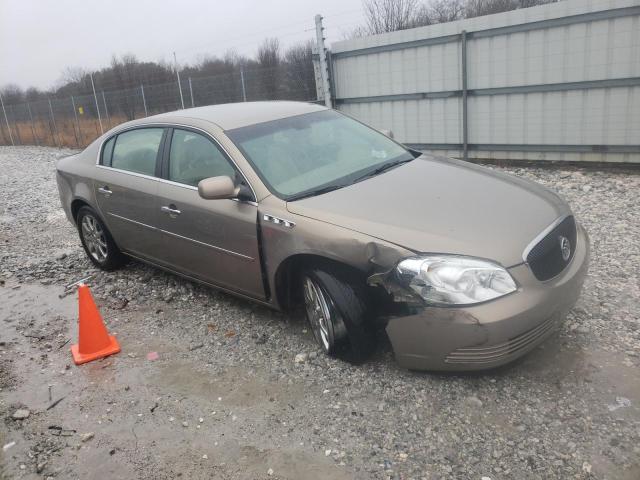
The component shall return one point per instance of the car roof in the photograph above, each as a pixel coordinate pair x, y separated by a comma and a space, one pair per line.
235, 115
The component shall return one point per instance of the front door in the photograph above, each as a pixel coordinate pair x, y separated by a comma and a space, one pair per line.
126, 190
212, 240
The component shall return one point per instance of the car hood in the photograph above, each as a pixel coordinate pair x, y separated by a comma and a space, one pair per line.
439, 205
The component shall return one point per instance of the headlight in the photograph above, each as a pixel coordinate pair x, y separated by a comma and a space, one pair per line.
454, 280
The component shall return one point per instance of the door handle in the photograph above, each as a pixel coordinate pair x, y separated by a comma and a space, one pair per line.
105, 191
171, 210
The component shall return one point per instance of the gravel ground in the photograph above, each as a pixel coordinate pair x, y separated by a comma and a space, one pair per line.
225, 398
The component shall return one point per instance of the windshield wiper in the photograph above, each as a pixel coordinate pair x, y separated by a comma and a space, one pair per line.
317, 191
382, 168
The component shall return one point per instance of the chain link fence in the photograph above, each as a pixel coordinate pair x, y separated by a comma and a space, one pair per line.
76, 120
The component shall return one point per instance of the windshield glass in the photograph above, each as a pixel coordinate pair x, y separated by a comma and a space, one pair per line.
298, 155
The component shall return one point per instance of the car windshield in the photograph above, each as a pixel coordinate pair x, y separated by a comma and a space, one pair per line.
309, 154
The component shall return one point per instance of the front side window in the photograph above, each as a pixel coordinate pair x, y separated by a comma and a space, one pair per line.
193, 157
299, 155
137, 150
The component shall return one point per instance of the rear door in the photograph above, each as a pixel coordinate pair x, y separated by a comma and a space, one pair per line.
126, 187
212, 240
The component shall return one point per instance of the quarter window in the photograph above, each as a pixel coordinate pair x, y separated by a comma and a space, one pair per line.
193, 157
107, 150
137, 150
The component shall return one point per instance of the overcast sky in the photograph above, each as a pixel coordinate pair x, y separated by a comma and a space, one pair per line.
39, 38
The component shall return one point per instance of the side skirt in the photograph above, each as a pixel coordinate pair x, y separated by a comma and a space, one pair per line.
202, 282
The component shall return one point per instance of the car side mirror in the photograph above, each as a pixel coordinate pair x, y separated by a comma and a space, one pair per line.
388, 133
217, 188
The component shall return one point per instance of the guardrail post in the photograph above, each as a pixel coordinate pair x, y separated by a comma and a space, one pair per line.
465, 124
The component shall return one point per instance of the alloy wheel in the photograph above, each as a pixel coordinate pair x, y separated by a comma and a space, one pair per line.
94, 238
326, 323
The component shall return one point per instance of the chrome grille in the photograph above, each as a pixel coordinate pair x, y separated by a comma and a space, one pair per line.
495, 353
545, 258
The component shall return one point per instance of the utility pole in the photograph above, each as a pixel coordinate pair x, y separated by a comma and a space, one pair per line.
95, 97
244, 91
54, 132
144, 101
33, 125
6, 119
191, 93
106, 110
322, 54
178, 75
75, 115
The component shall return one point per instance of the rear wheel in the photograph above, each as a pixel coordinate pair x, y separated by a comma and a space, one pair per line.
337, 310
97, 241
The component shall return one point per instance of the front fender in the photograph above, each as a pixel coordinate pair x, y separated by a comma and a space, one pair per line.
309, 237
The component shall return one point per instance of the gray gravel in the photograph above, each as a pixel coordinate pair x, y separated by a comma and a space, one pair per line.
571, 409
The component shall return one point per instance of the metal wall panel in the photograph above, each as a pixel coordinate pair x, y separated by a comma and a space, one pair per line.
539, 53
427, 121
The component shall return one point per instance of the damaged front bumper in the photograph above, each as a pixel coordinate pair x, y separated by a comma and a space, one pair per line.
490, 334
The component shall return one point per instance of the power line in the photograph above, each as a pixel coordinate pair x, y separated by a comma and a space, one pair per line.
271, 29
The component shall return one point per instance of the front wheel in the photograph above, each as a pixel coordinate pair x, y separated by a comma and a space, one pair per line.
337, 310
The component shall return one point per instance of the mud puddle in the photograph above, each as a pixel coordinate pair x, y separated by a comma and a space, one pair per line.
117, 416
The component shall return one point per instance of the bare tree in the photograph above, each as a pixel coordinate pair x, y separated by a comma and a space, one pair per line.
12, 93
389, 15
269, 63
476, 8
32, 94
72, 75
442, 11
300, 78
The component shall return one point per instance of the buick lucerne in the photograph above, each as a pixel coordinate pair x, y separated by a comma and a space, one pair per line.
295, 205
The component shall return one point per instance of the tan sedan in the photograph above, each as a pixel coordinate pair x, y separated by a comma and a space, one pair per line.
288, 204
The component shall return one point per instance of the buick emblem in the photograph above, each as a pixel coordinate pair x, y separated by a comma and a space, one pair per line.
565, 247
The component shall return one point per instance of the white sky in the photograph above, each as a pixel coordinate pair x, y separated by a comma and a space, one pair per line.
39, 38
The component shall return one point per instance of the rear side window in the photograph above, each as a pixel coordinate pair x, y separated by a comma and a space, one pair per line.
107, 150
137, 150
194, 157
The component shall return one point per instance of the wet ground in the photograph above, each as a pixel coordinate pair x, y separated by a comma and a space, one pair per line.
225, 399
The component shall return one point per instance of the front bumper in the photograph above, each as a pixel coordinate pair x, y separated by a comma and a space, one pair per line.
493, 333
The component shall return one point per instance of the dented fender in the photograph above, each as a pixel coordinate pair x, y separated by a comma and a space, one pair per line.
308, 236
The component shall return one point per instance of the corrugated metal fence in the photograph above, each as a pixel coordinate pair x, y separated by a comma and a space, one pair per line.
556, 82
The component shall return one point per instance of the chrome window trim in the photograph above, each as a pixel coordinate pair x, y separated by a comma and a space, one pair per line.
543, 234
172, 125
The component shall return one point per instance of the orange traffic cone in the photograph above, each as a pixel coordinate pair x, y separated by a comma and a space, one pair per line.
94, 341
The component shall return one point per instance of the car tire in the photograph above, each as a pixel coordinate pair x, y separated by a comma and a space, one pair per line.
337, 309
97, 241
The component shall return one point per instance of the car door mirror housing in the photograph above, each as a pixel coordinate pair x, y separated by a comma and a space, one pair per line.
217, 188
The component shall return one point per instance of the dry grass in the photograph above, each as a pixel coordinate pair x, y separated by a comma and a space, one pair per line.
65, 133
